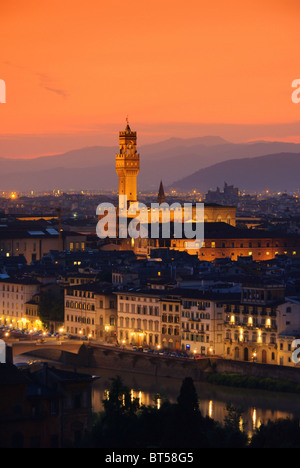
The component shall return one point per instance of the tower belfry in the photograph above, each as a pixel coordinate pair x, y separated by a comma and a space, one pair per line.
128, 164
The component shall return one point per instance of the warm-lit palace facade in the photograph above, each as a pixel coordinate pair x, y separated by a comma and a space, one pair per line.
224, 241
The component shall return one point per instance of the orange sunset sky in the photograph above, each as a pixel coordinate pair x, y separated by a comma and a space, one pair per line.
74, 70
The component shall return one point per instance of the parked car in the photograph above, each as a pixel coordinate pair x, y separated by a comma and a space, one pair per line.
197, 356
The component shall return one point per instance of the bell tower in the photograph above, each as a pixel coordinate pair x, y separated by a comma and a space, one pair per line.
128, 164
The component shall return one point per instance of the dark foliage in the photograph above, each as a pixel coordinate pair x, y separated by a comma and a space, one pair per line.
125, 424
51, 306
284, 433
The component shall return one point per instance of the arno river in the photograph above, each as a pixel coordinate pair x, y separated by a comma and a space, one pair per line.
258, 406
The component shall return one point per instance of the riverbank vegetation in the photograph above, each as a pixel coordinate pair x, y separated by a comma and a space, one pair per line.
248, 381
125, 423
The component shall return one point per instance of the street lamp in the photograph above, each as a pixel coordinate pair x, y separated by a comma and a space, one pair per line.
107, 328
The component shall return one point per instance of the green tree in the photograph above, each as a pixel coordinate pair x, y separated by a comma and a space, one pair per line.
233, 417
234, 435
188, 398
283, 433
51, 306
117, 425
120, 401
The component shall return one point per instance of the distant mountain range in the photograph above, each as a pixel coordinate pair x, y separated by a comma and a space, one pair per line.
199, 163
276, 172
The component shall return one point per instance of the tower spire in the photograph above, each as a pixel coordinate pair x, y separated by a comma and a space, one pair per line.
161, 198
128, 129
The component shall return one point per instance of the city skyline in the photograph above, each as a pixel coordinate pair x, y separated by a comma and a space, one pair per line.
150, 226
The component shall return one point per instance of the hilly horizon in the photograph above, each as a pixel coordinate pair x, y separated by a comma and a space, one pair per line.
93, 168
276, 172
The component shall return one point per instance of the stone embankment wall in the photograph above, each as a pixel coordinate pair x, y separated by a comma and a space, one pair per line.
139, 363
147, 364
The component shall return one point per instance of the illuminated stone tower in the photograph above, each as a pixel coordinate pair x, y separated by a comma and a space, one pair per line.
128, 165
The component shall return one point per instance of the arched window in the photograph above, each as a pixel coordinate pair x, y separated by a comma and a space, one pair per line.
112, 321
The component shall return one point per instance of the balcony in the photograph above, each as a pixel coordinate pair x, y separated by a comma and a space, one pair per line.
271, 328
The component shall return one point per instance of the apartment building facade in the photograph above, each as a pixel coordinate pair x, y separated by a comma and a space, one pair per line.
261, 326
170, 322
91, 311
16, 294
258, 325
202, 324
288, 331
173, 320
139, 318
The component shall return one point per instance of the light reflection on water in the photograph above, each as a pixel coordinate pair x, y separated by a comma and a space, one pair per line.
258, 406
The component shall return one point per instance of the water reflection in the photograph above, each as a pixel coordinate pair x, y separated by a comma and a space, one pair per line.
258, 406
